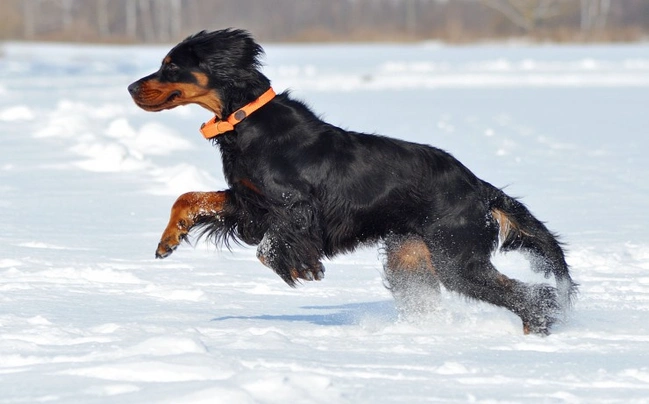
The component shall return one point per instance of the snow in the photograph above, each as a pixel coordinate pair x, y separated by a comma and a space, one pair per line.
87, 180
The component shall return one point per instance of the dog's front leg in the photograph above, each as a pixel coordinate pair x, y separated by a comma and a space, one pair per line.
293, 246
185, 212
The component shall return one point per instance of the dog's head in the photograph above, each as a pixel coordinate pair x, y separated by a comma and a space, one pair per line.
211, 69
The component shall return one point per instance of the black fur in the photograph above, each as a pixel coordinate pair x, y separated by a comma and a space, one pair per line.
320, 190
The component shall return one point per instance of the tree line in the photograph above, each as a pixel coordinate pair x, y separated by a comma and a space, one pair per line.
454, 21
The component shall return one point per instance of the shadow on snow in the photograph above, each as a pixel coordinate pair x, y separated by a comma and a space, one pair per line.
345, 314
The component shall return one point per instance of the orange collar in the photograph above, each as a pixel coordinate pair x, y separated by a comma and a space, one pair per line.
214, 127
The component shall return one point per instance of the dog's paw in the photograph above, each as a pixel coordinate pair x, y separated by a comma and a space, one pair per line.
168, 245
309, 273
544, 311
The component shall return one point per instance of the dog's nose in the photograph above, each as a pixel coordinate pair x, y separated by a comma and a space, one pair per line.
134, 88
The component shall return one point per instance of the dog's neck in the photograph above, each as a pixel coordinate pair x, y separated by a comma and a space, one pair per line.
241, 92
217, 126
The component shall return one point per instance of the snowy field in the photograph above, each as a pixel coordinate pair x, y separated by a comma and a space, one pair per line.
87, 315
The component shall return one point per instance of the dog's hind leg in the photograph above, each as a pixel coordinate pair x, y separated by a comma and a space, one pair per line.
462, 246
410, 275
188, 209
477, 278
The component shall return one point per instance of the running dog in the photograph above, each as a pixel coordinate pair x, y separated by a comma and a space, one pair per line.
302, 189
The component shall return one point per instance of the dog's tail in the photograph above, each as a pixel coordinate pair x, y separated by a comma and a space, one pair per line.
520, 230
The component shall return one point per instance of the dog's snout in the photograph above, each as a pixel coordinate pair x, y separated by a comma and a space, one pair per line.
134, 88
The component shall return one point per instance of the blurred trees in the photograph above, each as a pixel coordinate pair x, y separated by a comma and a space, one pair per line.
318, 20
526, 14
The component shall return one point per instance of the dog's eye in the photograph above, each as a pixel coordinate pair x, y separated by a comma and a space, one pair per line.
170, 68
170, 71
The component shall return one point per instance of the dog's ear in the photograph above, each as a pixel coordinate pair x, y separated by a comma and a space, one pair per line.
225, 49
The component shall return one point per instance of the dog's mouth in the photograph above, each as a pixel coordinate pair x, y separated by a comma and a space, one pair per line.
168, 102
155, 96
173, 96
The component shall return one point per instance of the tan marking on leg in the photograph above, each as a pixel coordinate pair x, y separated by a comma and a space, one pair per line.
526, 329
410, 255
263, 259
505, 282
248, 184
187, 208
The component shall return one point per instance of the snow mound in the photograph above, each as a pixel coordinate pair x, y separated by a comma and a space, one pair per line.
166, 345
151, 139
152, 372
17, 113
108, 143
180, 178
108, 157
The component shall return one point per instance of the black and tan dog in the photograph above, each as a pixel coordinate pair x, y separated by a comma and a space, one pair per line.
302, 189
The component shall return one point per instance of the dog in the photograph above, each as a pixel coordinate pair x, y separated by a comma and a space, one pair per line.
302, 189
